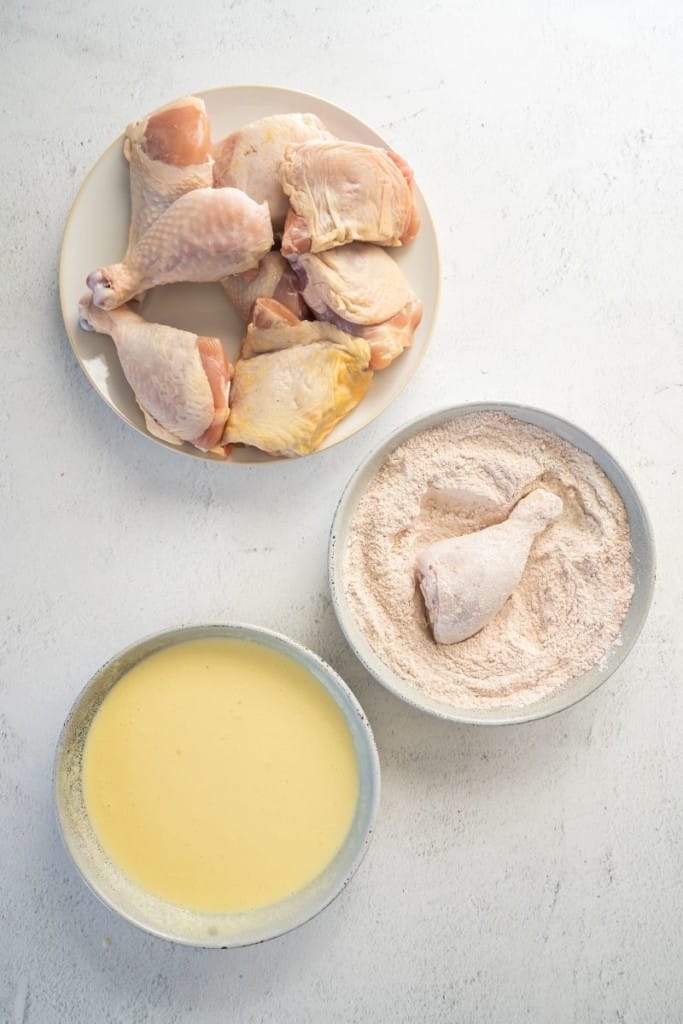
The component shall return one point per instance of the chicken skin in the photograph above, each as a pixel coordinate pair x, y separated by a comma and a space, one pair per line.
361, 289
250, 158
343, 192
466, 580
294, 382
203, 236
169, 153
389, 339
359, 283
290, 220
266, 313
274, 278
181, 382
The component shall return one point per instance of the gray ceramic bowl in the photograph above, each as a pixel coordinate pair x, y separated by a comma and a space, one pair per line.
642, 563
158, 916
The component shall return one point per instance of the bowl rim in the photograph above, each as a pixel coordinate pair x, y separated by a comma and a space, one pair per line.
351, 709
406, 691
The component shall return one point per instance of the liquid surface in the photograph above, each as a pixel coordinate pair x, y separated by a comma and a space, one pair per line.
220, 775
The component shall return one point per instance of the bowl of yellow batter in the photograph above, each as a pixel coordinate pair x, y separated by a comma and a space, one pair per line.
216, 785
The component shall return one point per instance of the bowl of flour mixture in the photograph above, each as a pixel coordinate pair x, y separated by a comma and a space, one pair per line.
586, 575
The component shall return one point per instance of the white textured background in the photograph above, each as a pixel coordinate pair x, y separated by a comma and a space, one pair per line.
524, 874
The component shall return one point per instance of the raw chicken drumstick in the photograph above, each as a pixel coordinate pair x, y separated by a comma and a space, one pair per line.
204, 236
169, 153
294, 381
360, 288
181, 382
250, 158
343, 192
466, 580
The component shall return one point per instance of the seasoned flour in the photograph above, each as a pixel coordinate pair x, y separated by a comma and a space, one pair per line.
463, 476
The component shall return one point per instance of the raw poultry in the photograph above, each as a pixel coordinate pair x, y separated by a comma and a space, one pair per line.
200, 214
361, 289
466, 580
344, 192
203, 236
169, 153
250, 158
274, 278
294, 381
181, 381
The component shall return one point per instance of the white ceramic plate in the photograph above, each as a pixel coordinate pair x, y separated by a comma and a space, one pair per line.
642, 566
96, 234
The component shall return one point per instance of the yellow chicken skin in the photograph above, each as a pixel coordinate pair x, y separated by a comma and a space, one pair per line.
294, 382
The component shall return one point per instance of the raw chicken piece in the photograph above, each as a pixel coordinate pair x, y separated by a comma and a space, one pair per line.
250, 158
361, 289
274, 278
466, 580
389, 339
294, 382
359, 282
204, 236
169, 153
343, 192
181, 382
274, 327
267, 313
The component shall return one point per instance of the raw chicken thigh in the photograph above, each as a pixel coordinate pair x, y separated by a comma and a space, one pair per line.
343, 192
274, 278
359, 283
169, 153
466, 580
181, 382
250, 158
204, 236
294, 382
361, 289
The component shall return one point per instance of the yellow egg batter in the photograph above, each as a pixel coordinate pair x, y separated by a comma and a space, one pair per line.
220, 775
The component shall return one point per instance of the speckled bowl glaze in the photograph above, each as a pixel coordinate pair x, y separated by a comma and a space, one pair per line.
642, 565
155, 915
